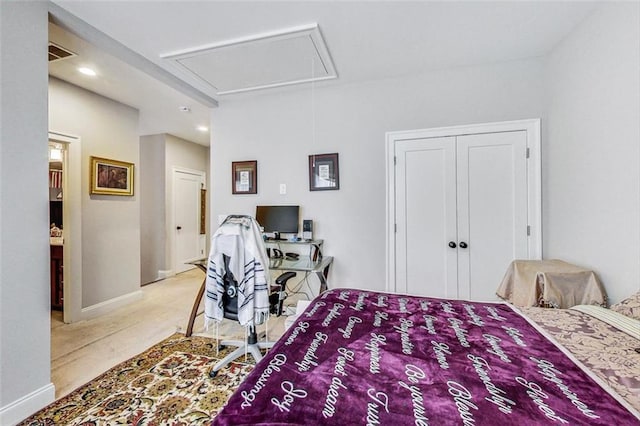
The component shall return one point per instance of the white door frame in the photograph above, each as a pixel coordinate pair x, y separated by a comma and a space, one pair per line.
172, 220
534, 181
72, 226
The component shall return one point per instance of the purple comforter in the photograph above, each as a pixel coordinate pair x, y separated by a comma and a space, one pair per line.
357, 357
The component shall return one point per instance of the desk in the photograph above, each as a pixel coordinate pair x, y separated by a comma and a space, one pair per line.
550, 283
315, 246
320, 268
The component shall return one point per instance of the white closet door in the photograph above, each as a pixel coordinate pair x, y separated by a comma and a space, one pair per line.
426, 217
492, 209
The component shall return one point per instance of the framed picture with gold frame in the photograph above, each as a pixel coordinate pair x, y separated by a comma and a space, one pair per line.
111, 177
244, 177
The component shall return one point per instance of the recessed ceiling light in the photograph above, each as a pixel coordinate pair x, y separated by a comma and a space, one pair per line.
203, 128
87, 71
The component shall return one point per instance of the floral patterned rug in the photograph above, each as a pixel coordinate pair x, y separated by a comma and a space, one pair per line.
167, 384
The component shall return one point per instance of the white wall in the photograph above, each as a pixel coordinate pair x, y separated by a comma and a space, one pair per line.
591, 158
110, 224
159, 154
25, 383
277, 131
152, 207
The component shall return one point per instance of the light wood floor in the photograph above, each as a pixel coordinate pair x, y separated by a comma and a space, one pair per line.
83, 350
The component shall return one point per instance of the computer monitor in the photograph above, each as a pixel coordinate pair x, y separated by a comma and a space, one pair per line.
278, 219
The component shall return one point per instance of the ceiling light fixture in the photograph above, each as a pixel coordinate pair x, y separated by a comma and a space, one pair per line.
202, 128
55, 154
87, 71
184, 109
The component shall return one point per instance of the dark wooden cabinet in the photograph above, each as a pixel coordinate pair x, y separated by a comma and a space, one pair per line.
56, 277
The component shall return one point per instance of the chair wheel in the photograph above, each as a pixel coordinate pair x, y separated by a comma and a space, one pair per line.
221, 347
213, 373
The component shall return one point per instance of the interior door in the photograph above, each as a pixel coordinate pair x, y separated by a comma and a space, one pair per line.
186, 195
425, 217
492, 210
461, 213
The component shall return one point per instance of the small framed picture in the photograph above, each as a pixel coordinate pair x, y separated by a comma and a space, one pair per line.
244, 177
111, 177
323, 172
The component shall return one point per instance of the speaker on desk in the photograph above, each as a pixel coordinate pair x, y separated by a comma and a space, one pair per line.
307, 229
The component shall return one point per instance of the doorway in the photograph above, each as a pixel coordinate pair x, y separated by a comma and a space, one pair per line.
189, 238
71, 221
57, 154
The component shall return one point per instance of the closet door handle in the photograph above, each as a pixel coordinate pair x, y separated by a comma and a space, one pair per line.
463, 245
452, 244
178, 227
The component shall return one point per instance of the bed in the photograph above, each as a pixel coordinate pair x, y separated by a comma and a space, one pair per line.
362, 357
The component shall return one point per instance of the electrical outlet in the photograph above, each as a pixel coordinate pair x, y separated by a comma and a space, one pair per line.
283, 189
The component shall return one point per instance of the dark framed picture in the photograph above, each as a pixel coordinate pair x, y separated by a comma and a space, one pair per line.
323, 172
244, 177
111, 177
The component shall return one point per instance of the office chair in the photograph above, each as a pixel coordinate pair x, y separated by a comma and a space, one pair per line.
237, 286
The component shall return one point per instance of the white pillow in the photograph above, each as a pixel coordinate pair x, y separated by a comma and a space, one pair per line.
629, 307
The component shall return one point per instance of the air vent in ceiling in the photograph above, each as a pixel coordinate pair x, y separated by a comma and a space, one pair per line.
280, 58
58, 52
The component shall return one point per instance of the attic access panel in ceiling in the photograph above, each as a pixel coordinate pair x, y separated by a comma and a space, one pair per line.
281, 58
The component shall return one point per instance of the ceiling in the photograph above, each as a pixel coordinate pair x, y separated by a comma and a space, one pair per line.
366, 41
158, 103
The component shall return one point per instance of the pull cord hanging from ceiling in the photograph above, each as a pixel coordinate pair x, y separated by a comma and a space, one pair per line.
313, 109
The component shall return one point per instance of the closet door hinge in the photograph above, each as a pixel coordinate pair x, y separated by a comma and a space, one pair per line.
395, 160
528, 230
395, 228
528, 153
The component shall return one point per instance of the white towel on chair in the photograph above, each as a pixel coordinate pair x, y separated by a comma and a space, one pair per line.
247, 260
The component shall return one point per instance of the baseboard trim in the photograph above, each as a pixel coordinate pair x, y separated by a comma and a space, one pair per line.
165, 274
109, 305
23, 407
